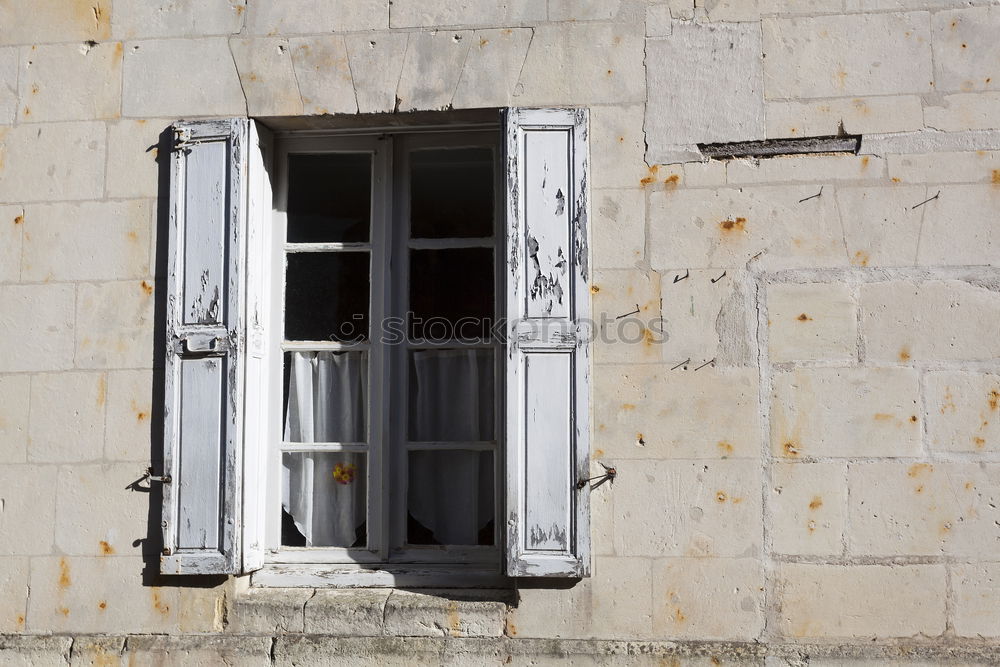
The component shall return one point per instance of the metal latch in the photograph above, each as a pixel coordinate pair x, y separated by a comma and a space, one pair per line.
199, 344
163, 479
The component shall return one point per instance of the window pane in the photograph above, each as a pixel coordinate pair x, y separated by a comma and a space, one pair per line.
451, 293
451, 395
326, 296
323, 499
326, 396
450, 497
451, 193
329, 197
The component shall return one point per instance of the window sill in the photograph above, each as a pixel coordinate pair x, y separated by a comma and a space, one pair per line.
370, 612
315, 575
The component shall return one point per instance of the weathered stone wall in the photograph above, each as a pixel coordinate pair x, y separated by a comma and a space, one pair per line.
809, 463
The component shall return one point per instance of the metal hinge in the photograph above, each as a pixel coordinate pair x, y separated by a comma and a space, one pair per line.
163, 479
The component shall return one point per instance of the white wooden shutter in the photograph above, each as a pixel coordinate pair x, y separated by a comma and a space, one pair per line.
211, 319
548, 358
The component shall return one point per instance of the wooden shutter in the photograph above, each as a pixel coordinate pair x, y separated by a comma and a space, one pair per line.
208, 328
548, 358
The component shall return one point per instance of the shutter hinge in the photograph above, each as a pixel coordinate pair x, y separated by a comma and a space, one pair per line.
163, 479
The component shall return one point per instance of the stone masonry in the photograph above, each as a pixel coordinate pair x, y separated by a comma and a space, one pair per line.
809, 465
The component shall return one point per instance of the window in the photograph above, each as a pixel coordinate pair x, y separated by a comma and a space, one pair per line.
392, 367
389, 442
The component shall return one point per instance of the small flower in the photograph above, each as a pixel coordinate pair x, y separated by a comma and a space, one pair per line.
343, 473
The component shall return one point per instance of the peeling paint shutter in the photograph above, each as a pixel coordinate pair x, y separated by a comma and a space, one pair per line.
208, 329
548, 357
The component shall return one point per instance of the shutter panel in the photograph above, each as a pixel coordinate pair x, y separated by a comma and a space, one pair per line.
206, 355
548, 356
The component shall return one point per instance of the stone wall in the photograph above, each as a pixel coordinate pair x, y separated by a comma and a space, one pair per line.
809, 466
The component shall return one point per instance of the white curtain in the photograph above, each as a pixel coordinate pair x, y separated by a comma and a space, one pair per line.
451, 492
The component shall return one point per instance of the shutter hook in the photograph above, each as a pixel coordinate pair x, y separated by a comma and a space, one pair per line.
609, 476
163, 479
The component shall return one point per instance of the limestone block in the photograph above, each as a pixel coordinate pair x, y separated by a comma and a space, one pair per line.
8, 85
964, 111
36, 331
860, 600
491, 69
115, 325
421, 13
857, 115
324, 75
411, 614
86, 492
11, 235
621, 598
617, 227
617, 149
134, 157
620, 334
650, 411
28, 499
129, 416
976, 590
728, 227
376, 62
104, 650
752, 10
961, 227
705, 85
812, 321
97, 594
198, 651
660, 18
575, 64
268, 611
602, 512
431, 69
134, 19
808, 503
552, 612
86, 241
35, 651
812, 168
265, 17
697, 509
13, 595
963, 411
881, 227
708, 598
966, 52
181, 77
904, 321
14, 393
708, 315
946, 167
583, 10
845, 412
68, 423
71, 82
710, 173
52, 161
293, 651
54, 21
203, 609
268, 78
822, 57
924, 509
345, 613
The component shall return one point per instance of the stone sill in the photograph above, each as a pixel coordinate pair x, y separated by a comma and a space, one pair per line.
370, 612
298, 649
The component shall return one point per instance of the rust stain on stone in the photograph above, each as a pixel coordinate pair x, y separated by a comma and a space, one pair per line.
628, 406
102, 390
102, 605
19, 219
20, 621
791, 448
815, 503
811, 525
995, 177
158, 603
652, 176
720, 496
454, 622
904, 354
106, 549
598, 453
146, 287
918, 469
883, 416
993, 398
730, 225
724, 447
671, 181
64, 579
861, 258
804, 318
63, 610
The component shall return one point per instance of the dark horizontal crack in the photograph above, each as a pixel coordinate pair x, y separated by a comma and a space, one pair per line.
849, 143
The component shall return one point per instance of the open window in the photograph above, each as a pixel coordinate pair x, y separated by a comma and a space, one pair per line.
378, 349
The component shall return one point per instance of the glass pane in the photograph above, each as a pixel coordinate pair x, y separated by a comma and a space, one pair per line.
451, 294
450, 498
451, 395
323, 499
329, 197
451, 193
326, 296
326, 396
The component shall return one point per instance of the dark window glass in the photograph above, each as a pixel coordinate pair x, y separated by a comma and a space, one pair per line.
451, 193
326, 296
450, 497
329, 198
451, 294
